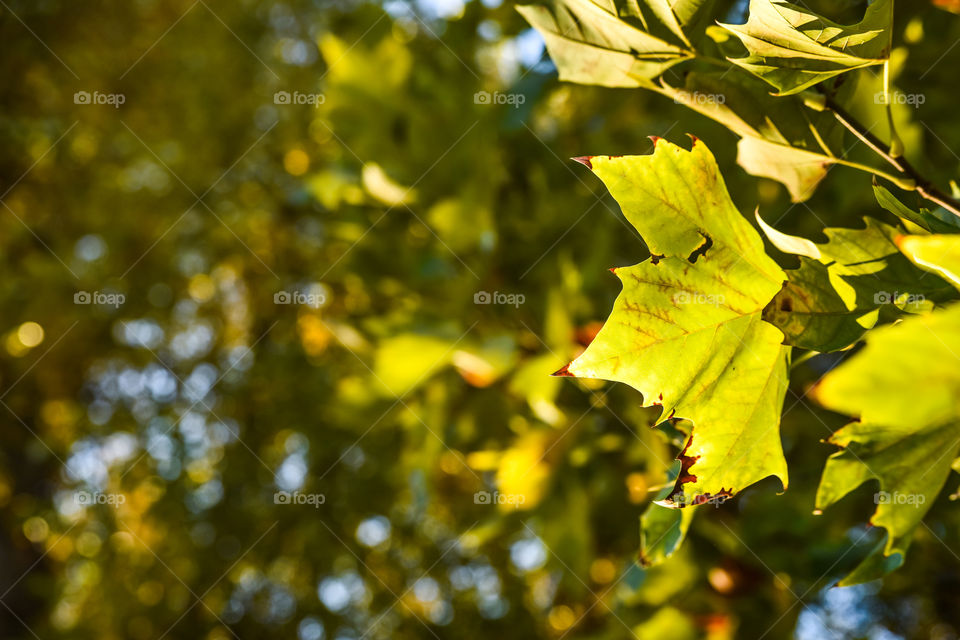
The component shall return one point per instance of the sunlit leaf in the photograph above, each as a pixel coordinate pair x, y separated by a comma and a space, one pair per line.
938, 253
793, 48
781, 138
903, 387
686, 329
591, 44
844, 285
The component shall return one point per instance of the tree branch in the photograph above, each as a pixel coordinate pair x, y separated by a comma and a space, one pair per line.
923, 186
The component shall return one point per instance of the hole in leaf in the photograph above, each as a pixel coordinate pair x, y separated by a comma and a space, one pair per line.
701, 250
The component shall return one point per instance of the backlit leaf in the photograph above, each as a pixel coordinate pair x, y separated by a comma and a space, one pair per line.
793, 48
686, 330
591, 44
845, 285
903, 386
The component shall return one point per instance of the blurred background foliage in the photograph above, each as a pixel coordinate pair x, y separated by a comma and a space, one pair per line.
204, 204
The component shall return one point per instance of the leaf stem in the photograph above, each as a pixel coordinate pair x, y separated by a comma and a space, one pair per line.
896, 144
922, 185
803, 358
904, 183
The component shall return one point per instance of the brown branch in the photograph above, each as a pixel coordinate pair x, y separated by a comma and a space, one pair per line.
924, 187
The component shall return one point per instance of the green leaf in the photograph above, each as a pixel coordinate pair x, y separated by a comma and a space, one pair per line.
793, 48
668, 623
938, 221
686, 330
630, 43
813, 315
903, 386
405, 361
939, 254
800, 171
662, 531
845, 285
591, 44
781, 138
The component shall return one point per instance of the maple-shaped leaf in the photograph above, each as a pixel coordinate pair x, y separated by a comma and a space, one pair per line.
686, 330
903, 386
631, 43
846, 285
793, 48
614, 44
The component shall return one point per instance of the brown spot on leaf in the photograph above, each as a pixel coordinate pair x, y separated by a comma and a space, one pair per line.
644, 561
786, 304
655, 258
718, 498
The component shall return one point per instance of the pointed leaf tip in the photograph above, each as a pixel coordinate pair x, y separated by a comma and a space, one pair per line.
585, 161
563, 372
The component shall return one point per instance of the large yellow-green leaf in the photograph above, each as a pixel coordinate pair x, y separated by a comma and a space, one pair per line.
611, 43
793, 48
903, 386
686, 330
